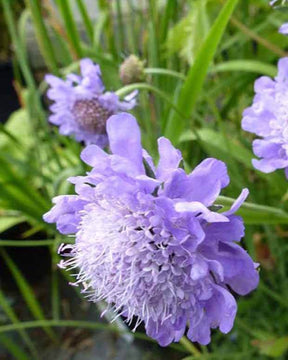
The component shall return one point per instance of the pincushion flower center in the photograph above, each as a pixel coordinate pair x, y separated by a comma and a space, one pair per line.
91, 115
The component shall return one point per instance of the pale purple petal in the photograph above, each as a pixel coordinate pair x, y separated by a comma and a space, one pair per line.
237, 203
169, 158
125, 139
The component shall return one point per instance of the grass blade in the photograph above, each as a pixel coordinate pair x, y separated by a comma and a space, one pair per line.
13, 348
70, 25
26, 292
86, 19
8, 310
44, 42
193, 85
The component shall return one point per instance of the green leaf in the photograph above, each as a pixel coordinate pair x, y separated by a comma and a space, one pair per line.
17, 130
253, 214
26, 291
14, 349
6, 222
273, 347
245, 65
70, 25
186, 37
8, 310
44, 41
193, 84
217, 144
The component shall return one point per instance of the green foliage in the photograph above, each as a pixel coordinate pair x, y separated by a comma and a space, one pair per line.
186, 37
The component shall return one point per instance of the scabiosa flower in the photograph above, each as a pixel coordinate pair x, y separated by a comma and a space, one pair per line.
81, 106
268, 118
150, 241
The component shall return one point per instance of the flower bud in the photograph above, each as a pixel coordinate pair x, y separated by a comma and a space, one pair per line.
132, 70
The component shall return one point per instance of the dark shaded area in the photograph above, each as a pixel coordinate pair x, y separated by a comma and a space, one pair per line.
8, 96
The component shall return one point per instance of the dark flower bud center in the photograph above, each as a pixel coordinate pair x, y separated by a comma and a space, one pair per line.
91, 115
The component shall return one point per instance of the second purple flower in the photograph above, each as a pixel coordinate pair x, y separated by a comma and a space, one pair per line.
81, 106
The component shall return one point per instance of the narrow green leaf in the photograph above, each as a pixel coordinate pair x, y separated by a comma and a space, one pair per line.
8, 310
245, 65
44, 42
26, 291
70, 25
86, 19
14, 349
26, 243
6, 222
193, 84
216, 140
256, 214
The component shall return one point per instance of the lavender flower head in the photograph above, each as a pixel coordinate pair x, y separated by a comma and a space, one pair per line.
268, 118
150, 242
81, 107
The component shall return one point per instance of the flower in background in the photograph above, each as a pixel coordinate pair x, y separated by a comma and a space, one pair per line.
81, 106
268, 118
150, 240
284, 29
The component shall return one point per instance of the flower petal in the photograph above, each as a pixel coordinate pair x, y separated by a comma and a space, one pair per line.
125, 139
169, 158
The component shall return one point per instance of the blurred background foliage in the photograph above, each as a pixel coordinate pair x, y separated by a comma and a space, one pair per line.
201, 59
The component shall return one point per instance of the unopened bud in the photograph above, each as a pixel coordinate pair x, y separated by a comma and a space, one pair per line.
132, 70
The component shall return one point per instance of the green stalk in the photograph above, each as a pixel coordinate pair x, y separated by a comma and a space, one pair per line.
188, 345
44, 42
26, 292
120, 25
76, 324
13, 348
167, 72
26, 243
86, 20
256, 214
71, 28
143, 86
8, 310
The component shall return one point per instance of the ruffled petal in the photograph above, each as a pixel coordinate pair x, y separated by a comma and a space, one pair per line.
169, 158
125, 139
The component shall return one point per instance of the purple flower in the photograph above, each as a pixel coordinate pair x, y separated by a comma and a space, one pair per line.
284, 29
150, 242
81, 107
268, 118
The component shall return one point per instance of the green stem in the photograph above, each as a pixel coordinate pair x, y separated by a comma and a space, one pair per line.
159, 71
190, 346
143, 86
26, 243
76, 324
8, 310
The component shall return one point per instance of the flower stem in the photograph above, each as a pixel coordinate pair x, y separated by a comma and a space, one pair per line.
190, 347
143, 86
159, 71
